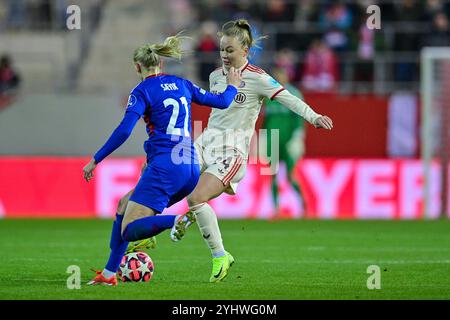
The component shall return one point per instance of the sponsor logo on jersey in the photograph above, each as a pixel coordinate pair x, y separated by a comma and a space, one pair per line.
274, 82
202, 91
240, 98
131, 100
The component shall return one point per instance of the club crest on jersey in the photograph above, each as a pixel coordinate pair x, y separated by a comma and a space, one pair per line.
131, 100
242, 84
240, 98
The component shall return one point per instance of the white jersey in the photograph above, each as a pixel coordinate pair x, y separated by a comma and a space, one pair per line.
233, 128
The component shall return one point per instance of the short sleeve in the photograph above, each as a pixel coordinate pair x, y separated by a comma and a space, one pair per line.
268, 86
136, 102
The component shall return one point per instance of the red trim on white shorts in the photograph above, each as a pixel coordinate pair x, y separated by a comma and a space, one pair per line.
234, 169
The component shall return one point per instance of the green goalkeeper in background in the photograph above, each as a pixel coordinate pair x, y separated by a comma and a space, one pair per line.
291, 136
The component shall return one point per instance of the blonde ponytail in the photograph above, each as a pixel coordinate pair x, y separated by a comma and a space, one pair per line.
149, 55
242, 30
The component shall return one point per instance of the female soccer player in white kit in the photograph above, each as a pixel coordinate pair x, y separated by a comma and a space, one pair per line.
223, 147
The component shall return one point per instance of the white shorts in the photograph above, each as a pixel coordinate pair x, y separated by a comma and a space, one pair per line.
227, 164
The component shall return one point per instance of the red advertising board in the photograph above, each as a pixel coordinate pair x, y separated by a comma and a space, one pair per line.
333, 189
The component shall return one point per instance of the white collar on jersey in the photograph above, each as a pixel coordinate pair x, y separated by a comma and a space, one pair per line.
241, 69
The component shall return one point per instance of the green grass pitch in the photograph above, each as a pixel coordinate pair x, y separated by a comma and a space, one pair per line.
297, 259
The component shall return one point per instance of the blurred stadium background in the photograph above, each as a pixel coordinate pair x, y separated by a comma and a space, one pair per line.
63, 91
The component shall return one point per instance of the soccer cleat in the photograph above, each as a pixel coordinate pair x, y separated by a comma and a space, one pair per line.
182, 222
100, 279
149, 243
221, 266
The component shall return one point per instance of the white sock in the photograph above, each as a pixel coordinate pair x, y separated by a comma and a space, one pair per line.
107, 274
209, 228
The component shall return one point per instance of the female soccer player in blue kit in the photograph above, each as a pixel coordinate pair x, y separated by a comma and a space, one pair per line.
172, 170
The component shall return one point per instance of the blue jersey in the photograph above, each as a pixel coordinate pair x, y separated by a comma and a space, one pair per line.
164, 102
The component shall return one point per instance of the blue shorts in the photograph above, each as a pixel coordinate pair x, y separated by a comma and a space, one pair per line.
164, 183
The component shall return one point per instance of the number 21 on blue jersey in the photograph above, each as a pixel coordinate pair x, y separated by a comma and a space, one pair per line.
174, 117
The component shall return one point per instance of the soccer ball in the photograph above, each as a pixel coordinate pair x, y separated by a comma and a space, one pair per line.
136, 267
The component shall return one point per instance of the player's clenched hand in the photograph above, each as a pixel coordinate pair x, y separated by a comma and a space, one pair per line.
88, 170
234, 77
324, 122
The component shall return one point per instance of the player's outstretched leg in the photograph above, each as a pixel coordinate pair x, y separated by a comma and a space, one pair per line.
141, 223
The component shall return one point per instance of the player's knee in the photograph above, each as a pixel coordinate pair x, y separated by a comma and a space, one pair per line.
196, 199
